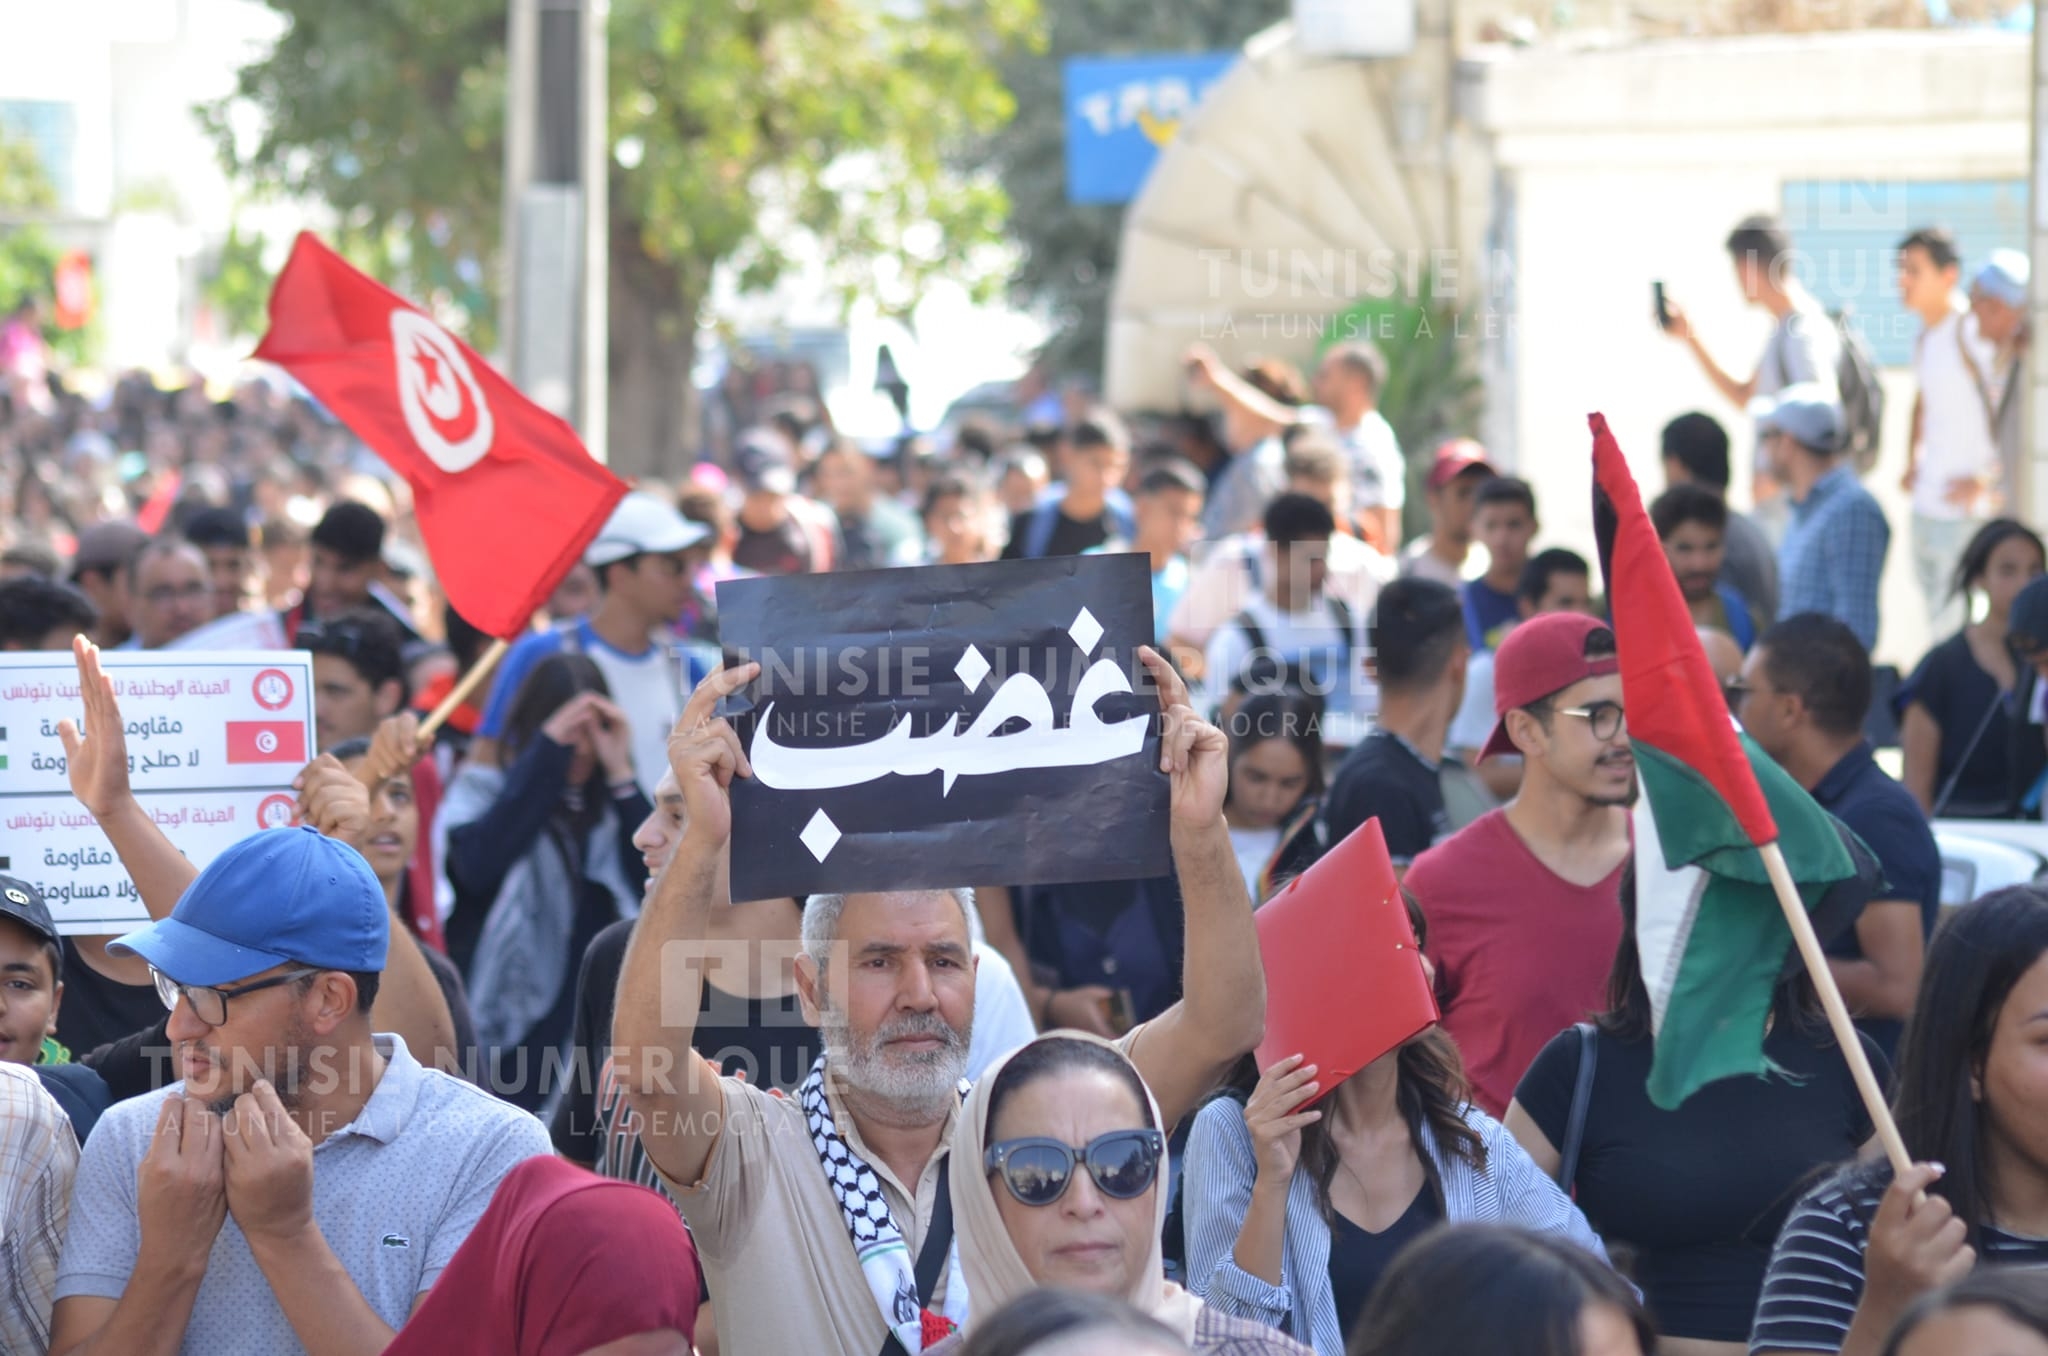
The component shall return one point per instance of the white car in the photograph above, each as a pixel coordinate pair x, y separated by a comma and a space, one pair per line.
1982, 855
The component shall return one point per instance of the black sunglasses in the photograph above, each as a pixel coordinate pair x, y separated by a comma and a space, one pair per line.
1124, 1164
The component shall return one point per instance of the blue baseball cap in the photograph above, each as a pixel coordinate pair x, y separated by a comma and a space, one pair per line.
1807, 411
278, 896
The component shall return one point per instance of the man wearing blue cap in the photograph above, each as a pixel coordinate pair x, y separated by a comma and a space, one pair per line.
1833, 553
307, 1180
1998, 300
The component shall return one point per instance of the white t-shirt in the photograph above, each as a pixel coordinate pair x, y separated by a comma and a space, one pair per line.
1951, 361
1419, 562
1379, 478
1311, 642
1254, 848
1473, 725
1228, 573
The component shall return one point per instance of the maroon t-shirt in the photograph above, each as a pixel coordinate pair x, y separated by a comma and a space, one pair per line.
1520, 954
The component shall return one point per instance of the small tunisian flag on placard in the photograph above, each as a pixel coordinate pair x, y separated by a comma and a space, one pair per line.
507, 497
266, 741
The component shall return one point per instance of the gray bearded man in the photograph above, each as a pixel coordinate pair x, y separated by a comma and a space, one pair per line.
809, 1212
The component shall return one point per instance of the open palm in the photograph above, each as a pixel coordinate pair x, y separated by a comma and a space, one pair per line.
96, 757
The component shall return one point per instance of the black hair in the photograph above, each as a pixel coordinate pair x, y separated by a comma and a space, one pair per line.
1698, 443
546, 690
1049, 1056
953, 485
1170, 474
35, 557
1505, 490
1415, 629
1293, 716
219, 527
1101, 428
352, 531
1793, 1002
1978, 956
2020, 1294
367, 983
1295, 518
1683, 504
465, 642
31, 607
1976, 558
1037, 1318
1819, 660
51, 950
367, 638
1534, 585
1938, 243
1761, 238
1363, 357
1536, 1288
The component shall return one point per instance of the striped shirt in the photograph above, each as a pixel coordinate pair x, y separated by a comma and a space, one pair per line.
1216, 1189
38, 1159
1815, 1280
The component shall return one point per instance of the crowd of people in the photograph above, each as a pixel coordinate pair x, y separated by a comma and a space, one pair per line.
482, 1056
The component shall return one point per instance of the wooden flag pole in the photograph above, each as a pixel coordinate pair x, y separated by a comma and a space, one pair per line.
1838, 1011
485, 663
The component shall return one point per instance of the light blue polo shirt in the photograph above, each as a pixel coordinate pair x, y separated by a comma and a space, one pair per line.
395, 1191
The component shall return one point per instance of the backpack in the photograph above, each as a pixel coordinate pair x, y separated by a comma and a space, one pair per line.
1045, 518
1291, 675
1862, 396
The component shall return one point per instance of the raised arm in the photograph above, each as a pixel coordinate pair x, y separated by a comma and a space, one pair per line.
674, 1090
1207, 369
1186, 1050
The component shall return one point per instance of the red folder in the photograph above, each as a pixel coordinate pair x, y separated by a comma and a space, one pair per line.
1344, 978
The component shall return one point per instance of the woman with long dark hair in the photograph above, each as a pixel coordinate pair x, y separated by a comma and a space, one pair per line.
1474, 1288
1294, 1213
1971, 1102
540, 852
1276, 783
1697, 1194
1965, 740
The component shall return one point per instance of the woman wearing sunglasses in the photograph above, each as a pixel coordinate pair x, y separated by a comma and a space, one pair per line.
1294, 1211
1069, 1193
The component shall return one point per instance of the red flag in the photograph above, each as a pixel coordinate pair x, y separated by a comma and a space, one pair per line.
266, 741
507, 497
1660, 651
1336, 938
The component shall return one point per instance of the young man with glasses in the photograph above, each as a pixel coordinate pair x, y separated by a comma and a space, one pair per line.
308, 1180
1523, 903
1804, 694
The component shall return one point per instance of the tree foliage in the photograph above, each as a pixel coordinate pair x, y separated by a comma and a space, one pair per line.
1070, 249
742, 128
28, 257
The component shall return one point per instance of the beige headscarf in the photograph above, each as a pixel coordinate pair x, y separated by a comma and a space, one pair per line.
995, 1273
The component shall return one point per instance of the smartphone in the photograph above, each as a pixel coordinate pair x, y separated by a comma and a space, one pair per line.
1663, 312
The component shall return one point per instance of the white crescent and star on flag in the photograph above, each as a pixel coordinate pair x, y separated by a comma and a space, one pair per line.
444, 406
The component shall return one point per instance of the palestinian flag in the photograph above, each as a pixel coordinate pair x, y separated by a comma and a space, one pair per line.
1709, 929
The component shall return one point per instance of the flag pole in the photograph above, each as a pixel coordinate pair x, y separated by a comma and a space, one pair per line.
485, 663
1838, 1011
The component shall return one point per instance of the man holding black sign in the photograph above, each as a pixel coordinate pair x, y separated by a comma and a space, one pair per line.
855, 1166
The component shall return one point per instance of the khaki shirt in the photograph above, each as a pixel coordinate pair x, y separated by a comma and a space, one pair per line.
781, 1267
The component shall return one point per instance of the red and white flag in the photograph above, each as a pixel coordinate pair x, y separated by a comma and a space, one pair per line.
506, 495
266, 741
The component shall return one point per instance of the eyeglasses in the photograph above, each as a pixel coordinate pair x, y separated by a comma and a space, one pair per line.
1604, 718
1124, 1164
1734, 690
209, 1003
343, 639
172, 593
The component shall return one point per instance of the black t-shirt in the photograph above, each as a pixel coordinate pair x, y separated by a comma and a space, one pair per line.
767, 1039
1961, 697
1358, 1256
1700, 1192
1385, 777
1070, 537
96, 1010
1816, 1273
785, 550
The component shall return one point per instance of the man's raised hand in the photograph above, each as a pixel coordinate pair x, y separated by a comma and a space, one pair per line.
704, 753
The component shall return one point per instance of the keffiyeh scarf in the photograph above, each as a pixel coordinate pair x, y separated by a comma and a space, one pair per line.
884, 1257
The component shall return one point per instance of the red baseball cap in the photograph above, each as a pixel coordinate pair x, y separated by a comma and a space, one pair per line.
1454, 457
1544, 654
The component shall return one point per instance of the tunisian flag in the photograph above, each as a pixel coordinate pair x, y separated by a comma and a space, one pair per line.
506, 496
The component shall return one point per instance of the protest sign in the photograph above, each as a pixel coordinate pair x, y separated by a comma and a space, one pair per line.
948, 725
1337, 939
214, 740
